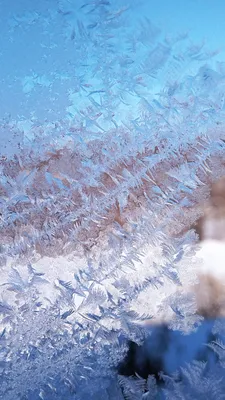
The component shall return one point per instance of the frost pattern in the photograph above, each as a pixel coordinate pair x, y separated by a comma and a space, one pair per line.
92, 207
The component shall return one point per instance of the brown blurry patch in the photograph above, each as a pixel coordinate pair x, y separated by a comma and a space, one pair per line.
212, 224
218, 194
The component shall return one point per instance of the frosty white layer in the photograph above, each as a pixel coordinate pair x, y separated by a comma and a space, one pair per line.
201, 276
210, 290
202, 279
212, 252
90, 204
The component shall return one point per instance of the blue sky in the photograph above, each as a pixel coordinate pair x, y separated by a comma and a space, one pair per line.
203, 18
37, 55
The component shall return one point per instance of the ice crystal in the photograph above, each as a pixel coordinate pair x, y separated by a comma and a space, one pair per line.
93, 205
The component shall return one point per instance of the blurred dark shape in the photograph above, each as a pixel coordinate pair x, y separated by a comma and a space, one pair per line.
166, 350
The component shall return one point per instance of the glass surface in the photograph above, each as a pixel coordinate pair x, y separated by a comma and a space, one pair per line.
111, 133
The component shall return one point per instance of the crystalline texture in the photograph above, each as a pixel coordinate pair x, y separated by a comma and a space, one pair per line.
90, 204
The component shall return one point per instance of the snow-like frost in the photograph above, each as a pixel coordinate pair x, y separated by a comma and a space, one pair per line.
92, 207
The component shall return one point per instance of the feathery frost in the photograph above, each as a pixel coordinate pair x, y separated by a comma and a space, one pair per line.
92, 205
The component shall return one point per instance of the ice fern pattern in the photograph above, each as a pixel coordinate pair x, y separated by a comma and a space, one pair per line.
95, 207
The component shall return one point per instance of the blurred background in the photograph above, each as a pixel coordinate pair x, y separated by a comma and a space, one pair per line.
41, 66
